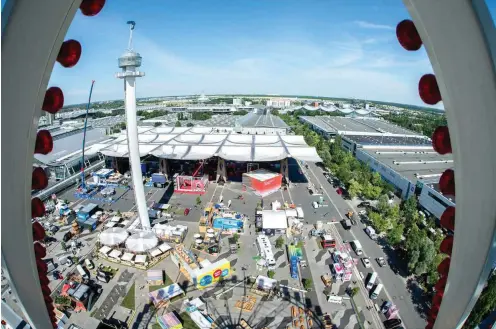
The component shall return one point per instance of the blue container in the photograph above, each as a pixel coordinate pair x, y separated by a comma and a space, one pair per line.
143, 168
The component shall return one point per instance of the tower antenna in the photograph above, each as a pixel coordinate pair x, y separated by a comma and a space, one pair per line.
132, 24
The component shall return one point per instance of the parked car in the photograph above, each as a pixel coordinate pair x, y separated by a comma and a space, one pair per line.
381, 261
363, 204
392, 323
385, 306
327, 280
186, 212
366, 262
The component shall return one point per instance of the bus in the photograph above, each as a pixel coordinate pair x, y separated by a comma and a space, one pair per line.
371, 280
376, 291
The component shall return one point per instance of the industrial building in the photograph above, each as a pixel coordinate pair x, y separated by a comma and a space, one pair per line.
330, 126
408, 163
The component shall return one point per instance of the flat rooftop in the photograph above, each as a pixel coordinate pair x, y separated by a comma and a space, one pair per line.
64, 149
421, 164
384, 140
349, 126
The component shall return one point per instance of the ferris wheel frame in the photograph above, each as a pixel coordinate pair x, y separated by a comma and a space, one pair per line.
460, 40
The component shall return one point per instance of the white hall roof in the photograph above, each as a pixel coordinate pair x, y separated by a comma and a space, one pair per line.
197, 143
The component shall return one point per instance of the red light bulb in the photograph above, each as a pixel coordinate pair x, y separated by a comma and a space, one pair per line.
443, 268
448, 218
39, 250
447, 182
91, 7
38, 232
54, 100
37, 208
69, 53
429, 90
44, 142
408, 36
441, 140
39, 179
447, 245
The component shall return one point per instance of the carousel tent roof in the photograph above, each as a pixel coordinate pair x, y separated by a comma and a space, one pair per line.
197, 143
141, 241
113, 236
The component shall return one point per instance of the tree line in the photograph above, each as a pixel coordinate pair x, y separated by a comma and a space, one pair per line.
423, 123
395, 222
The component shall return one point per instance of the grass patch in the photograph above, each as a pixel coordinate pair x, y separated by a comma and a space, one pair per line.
157, 326
187, 322
130, 300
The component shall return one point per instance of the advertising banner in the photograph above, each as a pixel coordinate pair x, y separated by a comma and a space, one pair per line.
213, 274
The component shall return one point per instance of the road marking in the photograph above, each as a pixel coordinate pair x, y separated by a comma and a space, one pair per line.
352, 234
368, 302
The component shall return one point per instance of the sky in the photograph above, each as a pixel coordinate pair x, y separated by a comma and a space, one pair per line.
335, 48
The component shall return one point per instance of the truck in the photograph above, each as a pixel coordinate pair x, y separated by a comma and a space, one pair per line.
299, 212
328, 241
346, 224
371, 232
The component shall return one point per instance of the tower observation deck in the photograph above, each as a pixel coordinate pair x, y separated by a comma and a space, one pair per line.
129, 62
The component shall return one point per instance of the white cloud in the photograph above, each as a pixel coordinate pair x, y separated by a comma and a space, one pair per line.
368, 25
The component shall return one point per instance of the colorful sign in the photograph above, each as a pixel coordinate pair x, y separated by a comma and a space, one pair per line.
213, 274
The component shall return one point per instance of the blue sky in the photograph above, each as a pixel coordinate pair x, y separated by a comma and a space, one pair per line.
341, 48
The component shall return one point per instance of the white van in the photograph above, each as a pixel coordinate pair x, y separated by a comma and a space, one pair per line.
82, 272
355, 244
376, 291
371, 280
371, 232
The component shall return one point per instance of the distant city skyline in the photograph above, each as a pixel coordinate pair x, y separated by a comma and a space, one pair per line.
341, 50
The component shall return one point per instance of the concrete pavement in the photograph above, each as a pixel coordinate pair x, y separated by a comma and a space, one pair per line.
395, 285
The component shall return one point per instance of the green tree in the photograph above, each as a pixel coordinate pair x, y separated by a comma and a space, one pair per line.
235, 237
271, 274
380, 223
62, 245
409, 210
395, 233
122, 125
354, 291
198, 201
344, 174
393, 213
178, 124
376, 179
354, 189
371, 192
307, 283
383, 204
279, 242
484, 306
190, 124
426, 258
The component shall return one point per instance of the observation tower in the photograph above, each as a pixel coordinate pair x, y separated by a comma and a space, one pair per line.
129, 62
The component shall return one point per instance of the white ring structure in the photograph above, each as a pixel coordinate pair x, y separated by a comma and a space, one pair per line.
459, 37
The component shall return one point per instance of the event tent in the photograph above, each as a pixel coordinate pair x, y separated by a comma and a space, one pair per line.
113, 236
141, 241
197, 143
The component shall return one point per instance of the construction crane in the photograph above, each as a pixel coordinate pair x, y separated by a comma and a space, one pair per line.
82, 187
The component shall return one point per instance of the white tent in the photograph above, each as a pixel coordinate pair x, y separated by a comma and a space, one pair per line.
113, 236
193, 144
141, 242
274, 219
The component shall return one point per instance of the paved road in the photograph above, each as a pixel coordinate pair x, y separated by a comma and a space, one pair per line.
395, 285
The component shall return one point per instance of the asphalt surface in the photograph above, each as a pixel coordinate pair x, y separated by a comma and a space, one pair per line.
395, 286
